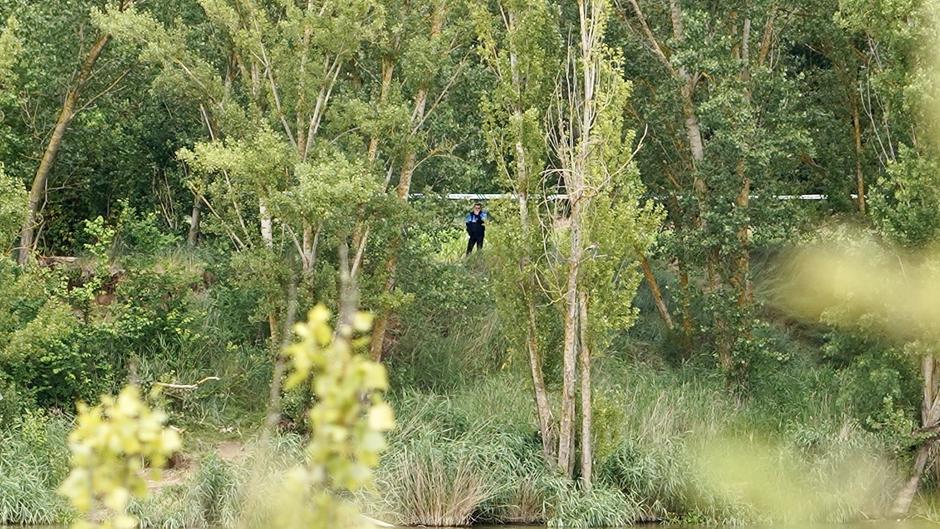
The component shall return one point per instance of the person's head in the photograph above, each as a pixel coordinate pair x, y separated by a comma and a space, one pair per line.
477, 207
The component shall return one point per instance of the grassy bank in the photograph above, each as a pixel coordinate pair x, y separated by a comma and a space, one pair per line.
675, 447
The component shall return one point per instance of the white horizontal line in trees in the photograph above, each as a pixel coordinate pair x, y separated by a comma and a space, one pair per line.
499, 196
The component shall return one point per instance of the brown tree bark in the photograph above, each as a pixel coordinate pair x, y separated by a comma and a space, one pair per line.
67, 113
661, 306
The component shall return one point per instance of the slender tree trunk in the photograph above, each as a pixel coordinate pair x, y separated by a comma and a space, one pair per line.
267, 235
67, 113
859, 175
743, 270
273, 412
656, 293
930, 417
902, 504
192, 239
311, 241
692, 128
267, 225
578, 157
388, 69
742, 278
527, 285
363, 230
569, 355
377, 347
587, 418
542, 405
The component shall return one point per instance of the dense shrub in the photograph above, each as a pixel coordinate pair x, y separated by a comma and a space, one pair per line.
53, 357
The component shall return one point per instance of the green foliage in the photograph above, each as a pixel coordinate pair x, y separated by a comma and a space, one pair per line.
347, 422
50, 356
906, 200
109, 446
12, 205
141, 234
10, 48
287, 123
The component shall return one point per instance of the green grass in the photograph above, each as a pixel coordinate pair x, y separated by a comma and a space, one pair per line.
33, 461
219, 493
665, 440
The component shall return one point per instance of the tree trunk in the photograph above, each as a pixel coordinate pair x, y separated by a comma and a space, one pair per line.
902, 504
38, 189
273, 412
685, 295
693, 130
859, 175
929, 369
267, 225
742, 274
362, 230
570, 351
267, 235
404, 186
192, 239
930, 415
577, 157
587, 439
310, 243
542, 405
656, 293
528, 287
388, 69
742, 278
377, 347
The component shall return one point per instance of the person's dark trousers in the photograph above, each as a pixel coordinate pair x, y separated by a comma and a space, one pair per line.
476, 238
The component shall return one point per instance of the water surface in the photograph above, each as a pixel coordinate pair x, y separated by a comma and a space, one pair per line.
880, 524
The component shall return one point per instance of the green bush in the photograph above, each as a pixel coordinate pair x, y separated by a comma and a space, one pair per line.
53, 356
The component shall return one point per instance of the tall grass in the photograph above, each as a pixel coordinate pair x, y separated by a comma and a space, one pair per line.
33, 460
437, 484
235, 493
666, 443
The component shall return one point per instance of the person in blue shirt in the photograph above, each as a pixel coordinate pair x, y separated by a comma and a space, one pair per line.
476, 227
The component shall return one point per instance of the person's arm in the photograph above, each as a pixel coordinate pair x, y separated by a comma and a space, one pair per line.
467, 219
